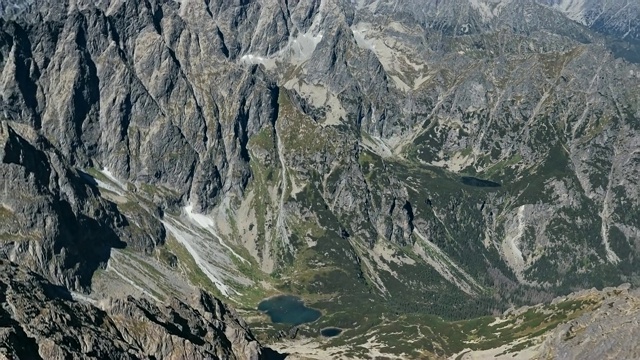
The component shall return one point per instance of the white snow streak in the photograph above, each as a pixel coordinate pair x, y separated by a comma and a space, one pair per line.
115, 186
190, 243
253, 59
207, 223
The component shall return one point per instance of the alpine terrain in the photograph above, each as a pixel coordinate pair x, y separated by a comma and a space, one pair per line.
420, 178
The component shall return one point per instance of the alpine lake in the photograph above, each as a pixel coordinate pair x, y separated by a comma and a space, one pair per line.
291, 310
288, 309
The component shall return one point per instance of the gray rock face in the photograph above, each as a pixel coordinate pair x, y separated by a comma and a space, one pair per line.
54, 223
613, 17
609, 332
116, 90
42, 321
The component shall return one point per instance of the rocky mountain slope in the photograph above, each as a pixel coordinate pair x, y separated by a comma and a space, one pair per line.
617, 18
44, 321
450, 158
591, 324
606, 333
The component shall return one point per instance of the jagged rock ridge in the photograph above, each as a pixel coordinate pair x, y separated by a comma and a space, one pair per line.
43, 321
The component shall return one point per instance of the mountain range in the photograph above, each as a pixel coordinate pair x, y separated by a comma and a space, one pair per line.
439, 161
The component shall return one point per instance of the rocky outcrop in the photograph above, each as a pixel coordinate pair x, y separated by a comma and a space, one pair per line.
40, 320
609, 332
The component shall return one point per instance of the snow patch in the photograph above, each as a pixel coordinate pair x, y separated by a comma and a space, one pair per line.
112, 184
297, 51
109, 187
250, 59
199, 219
359, 34
183, 7
113, 179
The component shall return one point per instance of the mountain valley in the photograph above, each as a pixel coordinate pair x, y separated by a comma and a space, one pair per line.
436, 179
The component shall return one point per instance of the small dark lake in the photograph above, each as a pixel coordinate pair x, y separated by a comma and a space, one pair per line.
288, 309
330, 332
472, 181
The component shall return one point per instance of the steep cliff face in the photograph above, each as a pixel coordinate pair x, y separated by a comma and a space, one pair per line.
52, 221
446, 157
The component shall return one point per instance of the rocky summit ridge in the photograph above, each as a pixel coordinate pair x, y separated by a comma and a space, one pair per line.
450, 159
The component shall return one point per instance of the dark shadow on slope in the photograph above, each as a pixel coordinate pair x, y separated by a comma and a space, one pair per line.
87, 241
55, 291
79, 227
88, 179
